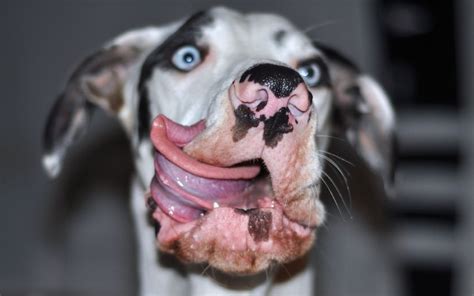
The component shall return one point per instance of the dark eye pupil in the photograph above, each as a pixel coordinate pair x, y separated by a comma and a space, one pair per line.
309, 72
188, 58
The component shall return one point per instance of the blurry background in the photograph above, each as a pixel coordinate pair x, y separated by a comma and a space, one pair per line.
74, 235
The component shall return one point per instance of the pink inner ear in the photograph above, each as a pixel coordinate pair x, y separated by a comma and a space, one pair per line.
163, 134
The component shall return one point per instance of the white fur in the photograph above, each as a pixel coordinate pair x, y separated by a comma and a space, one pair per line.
52, 163
154, 278
378, 99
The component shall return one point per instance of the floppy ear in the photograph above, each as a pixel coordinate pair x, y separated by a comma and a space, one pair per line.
97, 81
364, 115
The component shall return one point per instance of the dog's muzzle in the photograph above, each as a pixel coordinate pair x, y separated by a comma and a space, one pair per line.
244, 184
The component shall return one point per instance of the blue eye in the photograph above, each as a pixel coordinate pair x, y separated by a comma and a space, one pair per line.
311, 74
186, 58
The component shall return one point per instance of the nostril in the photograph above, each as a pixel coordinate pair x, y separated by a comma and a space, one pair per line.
261, 101
262, 95
294, 110
252, 96
265, 97
299, 103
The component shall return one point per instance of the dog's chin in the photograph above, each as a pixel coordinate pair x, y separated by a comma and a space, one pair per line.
223, 238
226, 217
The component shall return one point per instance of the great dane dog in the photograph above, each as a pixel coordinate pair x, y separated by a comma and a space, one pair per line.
228, 116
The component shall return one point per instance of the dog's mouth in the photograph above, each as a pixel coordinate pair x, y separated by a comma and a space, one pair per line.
186, 189
226, 216
185, 197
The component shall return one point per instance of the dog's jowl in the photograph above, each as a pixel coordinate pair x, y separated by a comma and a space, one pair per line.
239, 108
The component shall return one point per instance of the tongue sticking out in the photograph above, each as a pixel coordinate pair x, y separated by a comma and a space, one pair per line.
167, 136
185, 188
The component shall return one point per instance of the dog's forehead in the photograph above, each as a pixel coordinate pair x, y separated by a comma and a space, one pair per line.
272, 33
256, 22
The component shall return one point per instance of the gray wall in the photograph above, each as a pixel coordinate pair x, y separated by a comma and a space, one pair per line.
74, 234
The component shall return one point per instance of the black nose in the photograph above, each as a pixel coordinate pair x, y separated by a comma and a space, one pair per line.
279, 79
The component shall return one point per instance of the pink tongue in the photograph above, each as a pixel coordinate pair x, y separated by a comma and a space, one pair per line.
167, 136
184, 196
185, 188
201, 191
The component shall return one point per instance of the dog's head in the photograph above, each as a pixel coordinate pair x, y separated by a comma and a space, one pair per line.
243, 105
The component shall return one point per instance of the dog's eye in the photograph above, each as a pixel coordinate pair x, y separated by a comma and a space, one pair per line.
186, 58
311, 73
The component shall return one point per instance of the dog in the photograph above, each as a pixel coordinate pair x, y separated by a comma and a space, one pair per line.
238, 107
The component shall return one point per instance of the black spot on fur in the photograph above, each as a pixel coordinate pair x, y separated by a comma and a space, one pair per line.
187, 34
276, 126
336, 57
348, 115
245, 119
358, 103
279, 35
259, 224
144, 116
273, 129
281, 80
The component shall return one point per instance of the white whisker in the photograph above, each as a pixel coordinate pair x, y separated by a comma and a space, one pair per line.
205, 269
332, 137
286, 270
332, 195
313, 27
338, 157
346, 183
340, 195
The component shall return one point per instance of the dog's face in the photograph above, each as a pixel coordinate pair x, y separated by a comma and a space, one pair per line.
245, 105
